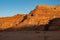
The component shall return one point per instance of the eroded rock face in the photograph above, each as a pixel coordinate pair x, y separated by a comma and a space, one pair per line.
39, 16
10, 22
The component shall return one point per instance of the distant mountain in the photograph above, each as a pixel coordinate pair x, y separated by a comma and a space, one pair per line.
37, 19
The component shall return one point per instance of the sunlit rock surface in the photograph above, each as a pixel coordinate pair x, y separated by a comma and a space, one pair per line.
39, 16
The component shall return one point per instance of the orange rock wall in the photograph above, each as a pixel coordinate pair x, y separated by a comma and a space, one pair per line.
39, 16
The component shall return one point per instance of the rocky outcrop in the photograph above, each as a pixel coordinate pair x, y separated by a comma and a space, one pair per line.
37, 17
41, 15
10, 22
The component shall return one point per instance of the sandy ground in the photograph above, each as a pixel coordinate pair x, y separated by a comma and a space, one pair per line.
30, 35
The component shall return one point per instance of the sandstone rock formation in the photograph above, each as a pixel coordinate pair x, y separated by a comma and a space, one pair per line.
9, 22
39, 16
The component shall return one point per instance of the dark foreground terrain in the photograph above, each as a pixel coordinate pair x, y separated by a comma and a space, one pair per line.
30, 35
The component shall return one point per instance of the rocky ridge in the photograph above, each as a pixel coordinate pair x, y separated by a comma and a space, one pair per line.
41, 15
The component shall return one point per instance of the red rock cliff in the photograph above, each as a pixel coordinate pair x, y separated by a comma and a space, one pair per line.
39, 16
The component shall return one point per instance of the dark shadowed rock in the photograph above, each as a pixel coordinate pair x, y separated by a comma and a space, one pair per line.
54, 24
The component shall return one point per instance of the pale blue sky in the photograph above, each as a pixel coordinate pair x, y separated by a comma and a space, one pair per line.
13, 7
